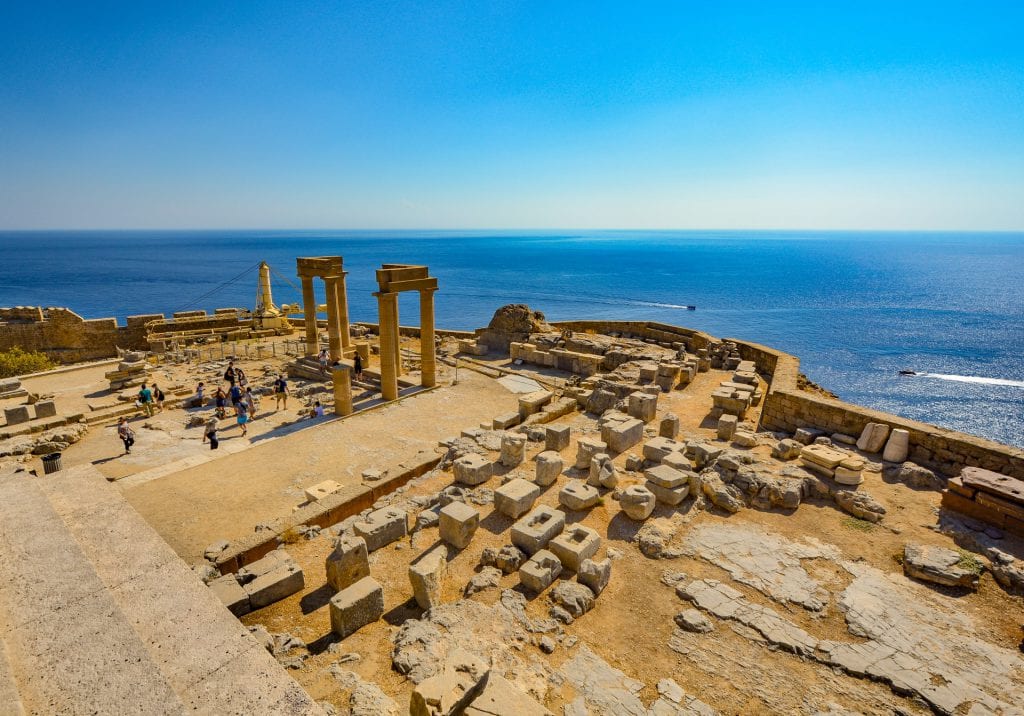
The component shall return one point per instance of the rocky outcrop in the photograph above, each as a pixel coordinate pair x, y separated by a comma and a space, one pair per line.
514, 322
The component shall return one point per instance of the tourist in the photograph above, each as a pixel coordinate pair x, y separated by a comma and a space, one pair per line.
250, 403
240, 377
125, 432
357, 368
146, 400
281, 391
200, 390
323, 361
318, 410
210, 433
236, 396
158, 397
229, 374
242, 413
220, 400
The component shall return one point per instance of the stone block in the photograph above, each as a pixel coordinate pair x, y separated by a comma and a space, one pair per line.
321, 489
46, 409
348, 562
602, 472
549, 467
540, 571
513, 449
873, 437
594, 575
17, 414
822, 455
356, 606
556, 437
806, 436
744, 438
897, 447
642, 406
506, 421
577, 495
634, 463
533, 402
665, 476
427, 574
534, 531
586, 448
516, 497
453, 690
1008, 488
271, 579
671, 496
621, 435
704, 453
848, 472
787, 449
727, 427
657, 449
472, 469
574, 545
669, 427
637, 502
231, 593
382, 527
458, 523
843, 439
500, 697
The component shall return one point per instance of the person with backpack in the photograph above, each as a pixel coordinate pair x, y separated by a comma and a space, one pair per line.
235, 393
281, 391
125, 432
242, 413
146, 400
229, 374
220, 400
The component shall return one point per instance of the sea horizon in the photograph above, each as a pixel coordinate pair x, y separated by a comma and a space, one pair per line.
855, 306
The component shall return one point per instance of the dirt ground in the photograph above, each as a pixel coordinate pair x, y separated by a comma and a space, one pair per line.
632, 626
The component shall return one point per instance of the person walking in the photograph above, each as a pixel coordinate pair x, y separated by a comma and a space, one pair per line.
250, 403
158, 397
220, 399
235, 393
146, 400
240, 378
357, 367
229, 375
281, 392
210, 433
200, 391
323, 361
242, 413
125, 432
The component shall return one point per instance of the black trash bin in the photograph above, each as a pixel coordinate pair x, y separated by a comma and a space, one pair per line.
51, 463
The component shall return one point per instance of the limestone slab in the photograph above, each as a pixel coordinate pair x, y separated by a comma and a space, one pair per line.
356, 606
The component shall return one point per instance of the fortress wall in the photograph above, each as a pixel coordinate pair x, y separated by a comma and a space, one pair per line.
66, 337
661, 332
786, 407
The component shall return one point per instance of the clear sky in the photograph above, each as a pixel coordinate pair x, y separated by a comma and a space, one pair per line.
482, 114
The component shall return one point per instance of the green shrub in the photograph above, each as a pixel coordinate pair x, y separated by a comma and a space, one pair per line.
20, 362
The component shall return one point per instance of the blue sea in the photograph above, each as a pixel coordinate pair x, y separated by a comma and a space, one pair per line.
855, 306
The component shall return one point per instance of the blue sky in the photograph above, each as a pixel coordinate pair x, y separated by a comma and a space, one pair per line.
894, 115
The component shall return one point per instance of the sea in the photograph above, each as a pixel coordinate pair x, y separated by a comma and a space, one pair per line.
856, 307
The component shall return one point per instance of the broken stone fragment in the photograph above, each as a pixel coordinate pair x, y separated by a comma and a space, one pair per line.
486, 578
637, 502
427, 574
693, 621
594, 575
575, 598
941, 566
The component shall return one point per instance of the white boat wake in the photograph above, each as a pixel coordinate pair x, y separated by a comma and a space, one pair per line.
974, 379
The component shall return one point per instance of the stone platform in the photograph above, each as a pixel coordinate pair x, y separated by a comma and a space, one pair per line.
99, 615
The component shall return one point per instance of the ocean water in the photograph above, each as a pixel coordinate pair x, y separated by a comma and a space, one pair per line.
855, 306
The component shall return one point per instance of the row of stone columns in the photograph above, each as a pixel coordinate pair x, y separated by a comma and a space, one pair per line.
390, 342
339, 341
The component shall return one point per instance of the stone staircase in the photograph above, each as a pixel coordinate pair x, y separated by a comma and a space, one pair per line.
99, 616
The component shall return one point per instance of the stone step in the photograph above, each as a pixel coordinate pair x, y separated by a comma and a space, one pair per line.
208, 657
70, 648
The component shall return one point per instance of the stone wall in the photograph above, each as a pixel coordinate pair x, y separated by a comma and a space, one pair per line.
66, 337
786, 407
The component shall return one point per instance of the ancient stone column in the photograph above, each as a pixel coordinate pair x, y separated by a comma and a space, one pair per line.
333, 320
428, 361
309, 312
346, 338
341, 375
398, 340
387, 311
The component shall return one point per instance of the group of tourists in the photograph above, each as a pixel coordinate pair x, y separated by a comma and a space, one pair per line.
243, 401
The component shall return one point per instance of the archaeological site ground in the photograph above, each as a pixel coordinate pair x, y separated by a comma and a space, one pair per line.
583, 517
